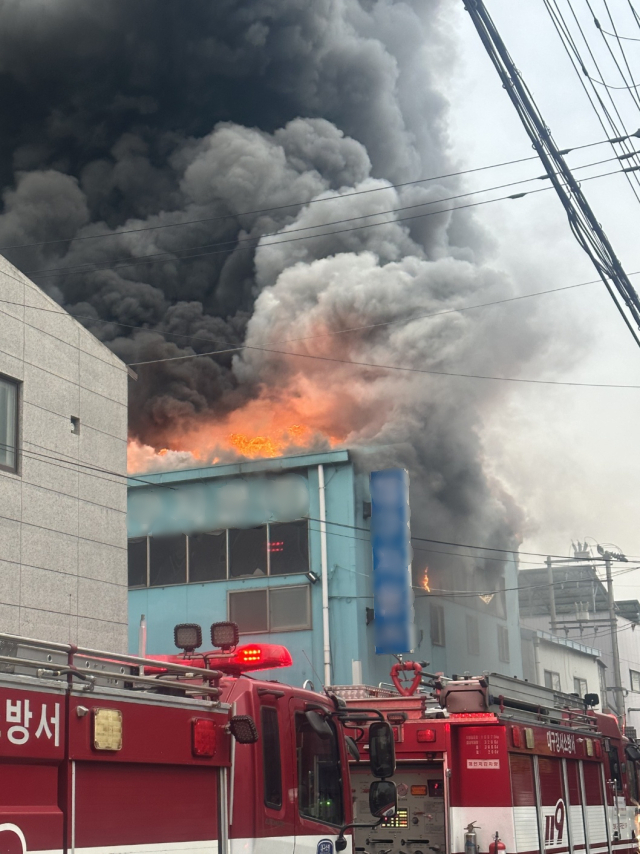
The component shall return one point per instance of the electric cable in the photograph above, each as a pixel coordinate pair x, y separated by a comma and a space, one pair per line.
509, 553
401, 368
574, 56
234, 244
299, 203
631, 87
142, 479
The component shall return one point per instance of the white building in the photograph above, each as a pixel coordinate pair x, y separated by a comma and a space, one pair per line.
582, 617
562, 664
63, 430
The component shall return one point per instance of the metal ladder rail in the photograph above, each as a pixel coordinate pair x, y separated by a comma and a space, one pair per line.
52, 668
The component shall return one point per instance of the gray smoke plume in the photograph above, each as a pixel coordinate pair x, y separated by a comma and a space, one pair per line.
239, 124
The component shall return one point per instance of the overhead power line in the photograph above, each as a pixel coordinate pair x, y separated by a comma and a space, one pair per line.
296, 204
583, 222
608, 122
96, 471
251, 243
389, 368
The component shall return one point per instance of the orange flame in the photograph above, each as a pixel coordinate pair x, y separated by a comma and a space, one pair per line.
269, 426
267, 446
425, 580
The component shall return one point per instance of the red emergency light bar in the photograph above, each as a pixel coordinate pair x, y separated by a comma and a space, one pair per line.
245, 659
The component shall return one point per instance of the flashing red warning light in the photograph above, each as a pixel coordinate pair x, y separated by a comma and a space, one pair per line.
426, 735
245, 659
203, 737
252, 657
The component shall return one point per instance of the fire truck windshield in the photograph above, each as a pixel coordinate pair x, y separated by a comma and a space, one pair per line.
319, 792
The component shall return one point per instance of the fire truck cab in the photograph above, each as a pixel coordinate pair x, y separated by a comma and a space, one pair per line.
115, 754
495, 764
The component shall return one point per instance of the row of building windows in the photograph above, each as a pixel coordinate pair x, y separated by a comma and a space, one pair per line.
552, 680
436, 616
280, 548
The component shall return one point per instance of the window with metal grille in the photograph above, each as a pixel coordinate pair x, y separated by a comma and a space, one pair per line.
503, 644
8, 424
552, 680
436, 613
473, 636
275, 609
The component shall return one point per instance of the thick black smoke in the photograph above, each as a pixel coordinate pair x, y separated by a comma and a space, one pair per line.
224, 119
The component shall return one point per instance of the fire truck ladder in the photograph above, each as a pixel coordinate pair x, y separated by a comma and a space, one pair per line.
586, 228
26, 657
526, 700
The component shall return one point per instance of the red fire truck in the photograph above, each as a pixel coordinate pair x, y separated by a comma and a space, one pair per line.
495, 764
114, 754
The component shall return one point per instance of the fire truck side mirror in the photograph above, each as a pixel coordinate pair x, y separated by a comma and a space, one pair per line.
382, 754
318, 725
591, 700
383, 799
243, 728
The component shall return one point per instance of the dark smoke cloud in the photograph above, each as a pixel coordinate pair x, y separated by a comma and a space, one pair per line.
141, 113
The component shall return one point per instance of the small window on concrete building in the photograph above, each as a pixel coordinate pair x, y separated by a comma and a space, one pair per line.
137, 554
250, 610
276, 609
8, 424
167, 560
436, 614
248, 552
579, 686
288, 547
552, 680
289, 608
473, 636
635, 680
208, 557
503, 644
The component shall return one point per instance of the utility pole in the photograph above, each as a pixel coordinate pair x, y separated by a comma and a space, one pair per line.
552, 597
619, 691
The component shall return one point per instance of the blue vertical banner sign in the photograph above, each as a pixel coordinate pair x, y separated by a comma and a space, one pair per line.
391, 545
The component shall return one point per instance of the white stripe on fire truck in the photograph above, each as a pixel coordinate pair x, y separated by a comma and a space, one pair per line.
209, 845
264, 845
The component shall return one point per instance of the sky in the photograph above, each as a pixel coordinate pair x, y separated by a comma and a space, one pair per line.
570, 456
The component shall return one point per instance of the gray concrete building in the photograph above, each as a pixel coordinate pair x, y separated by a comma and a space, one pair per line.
63, 493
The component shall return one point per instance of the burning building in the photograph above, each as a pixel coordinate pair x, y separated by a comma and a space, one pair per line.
244, 541
254, 206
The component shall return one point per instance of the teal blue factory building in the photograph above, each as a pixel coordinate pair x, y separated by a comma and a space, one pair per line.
245, 541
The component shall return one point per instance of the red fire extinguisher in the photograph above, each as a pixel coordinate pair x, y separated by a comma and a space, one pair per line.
497, 846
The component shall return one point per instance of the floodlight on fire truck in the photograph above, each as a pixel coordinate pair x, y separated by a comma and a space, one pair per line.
187, 636
225, 635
